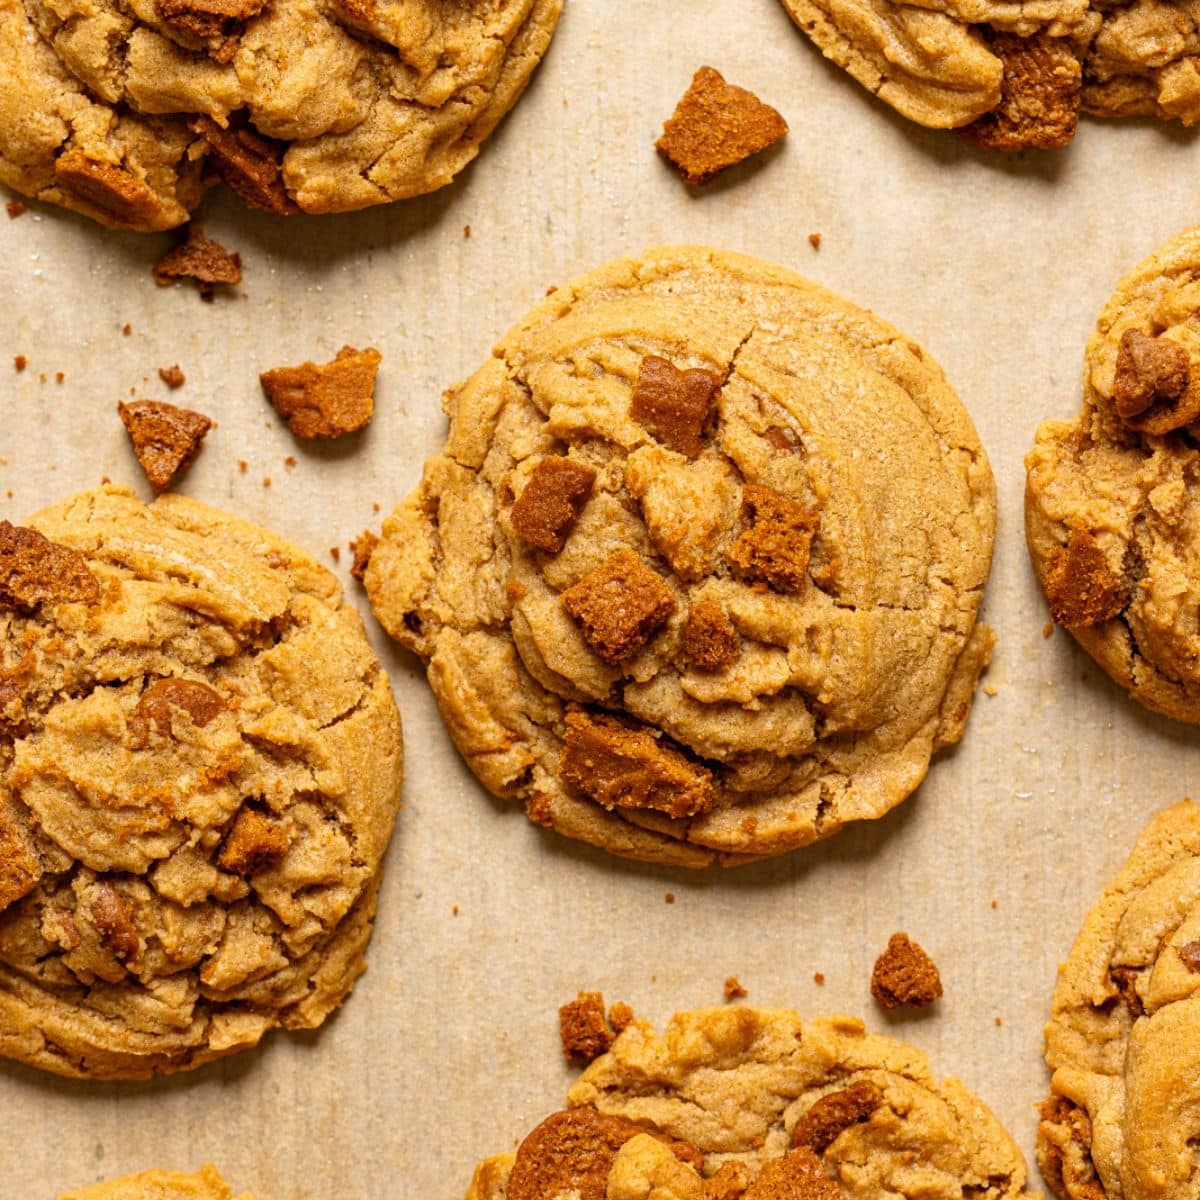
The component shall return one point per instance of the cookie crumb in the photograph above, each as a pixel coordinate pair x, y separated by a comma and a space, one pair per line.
716, 125
818, 979
243, 465
734, 989
999, 1023
814, 240
126, 330
620, 1016
266, 481
1048, 629
172, 376
201, 259
585, 1032
466, 231
165, 439
995, 903
362, 548
674, 405
20, 362
15, 209
335, 552
905, 974
669, 898
290, 461
59, 376
454, 911
990, 689
325, 400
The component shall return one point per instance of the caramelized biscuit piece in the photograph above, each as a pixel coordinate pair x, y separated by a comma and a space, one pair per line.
20, 866
202, 259
1039, 95
1152, 389
1125, 981
111, 916
110, 190
1065, 1151
572, 1152
1190, 956
362, 548
1081, 588
729, 1183
673, 405
248, 163
716, 125
165, 439
35, 570
219, 23
585, 1033
254, 842
905, 974
774, 547
619, 606
155, 706
619, 764
172, 376
798, 1175
550, 504
709, 638
620, 1016
734, 989
821, 1126
325, 400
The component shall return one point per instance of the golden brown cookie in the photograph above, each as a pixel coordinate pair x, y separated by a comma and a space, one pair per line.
697, 573
755, 1103
160, 1185
200, 764
1111, 501
125, 112
1013, 74
1123, 1040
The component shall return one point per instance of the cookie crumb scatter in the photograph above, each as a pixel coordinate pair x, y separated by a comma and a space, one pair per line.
172, 376
325, 400
165, 439
199, 258
620, 1016
814, 240
20, 362
362, 548
584, 1030
15, 209
734, 989
716, 125
905, 975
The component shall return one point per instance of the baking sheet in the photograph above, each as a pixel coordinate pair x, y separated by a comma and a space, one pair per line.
448, 1049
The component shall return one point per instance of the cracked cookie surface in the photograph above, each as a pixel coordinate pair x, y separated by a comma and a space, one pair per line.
207, 1184
756, 1103
200, 763
1014, 74
1123, 1040
697, 572
126, 111
1112, 500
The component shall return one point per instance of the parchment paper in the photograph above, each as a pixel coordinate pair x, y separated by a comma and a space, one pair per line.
448, 1049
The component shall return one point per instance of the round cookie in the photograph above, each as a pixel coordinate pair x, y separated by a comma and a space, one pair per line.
160, 1185
697, 572
1123, 1040
125, 111
1012, 74
1111, 503
200, 763
755, 1104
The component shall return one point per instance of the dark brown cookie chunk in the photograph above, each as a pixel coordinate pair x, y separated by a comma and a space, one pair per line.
35, 571
797, 1175
110, 191
905, 974
709, 639
1081, 588
163, 698
674, 405
248, 163
325, 400
165, 439
824, 1123
774, 546
254, 842
585, 1032
551, 501
200, 258
1152, 389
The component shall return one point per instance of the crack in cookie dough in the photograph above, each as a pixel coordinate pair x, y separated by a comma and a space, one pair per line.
735, 1101
199, 771
1015, 74
1111, 509
822, 500
126, 111
1121, 1119
207, 1184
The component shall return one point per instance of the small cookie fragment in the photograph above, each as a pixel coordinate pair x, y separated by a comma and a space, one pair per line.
620, 1016
165, 438
620, 764
172, 376
325, 400
797, 1175
362, 548
200, 258
710, 641
254, 842
585, 1032
35, 571
1081, 588
774, 547
111, 915
15, 209
1152, 388
673, 405
1039, 95
825, 1122
196, 699
619, 606
716, 125
247, 162
551, 501
905, 974
734, 989
106, 191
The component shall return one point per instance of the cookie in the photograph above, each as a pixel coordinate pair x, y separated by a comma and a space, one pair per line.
126, 112
160, 1185
1124, 1032
754, 1103
1111, 498
200, 763
697, 573
1015, 75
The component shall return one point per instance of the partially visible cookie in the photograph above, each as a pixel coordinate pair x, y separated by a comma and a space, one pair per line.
1015, 75
160, 1185
1113, 499
200, 763
697, 573
1123, 1116
755, 1103
126, 112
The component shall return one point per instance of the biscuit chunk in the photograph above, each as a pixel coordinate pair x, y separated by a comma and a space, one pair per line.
326, 400
166, 438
